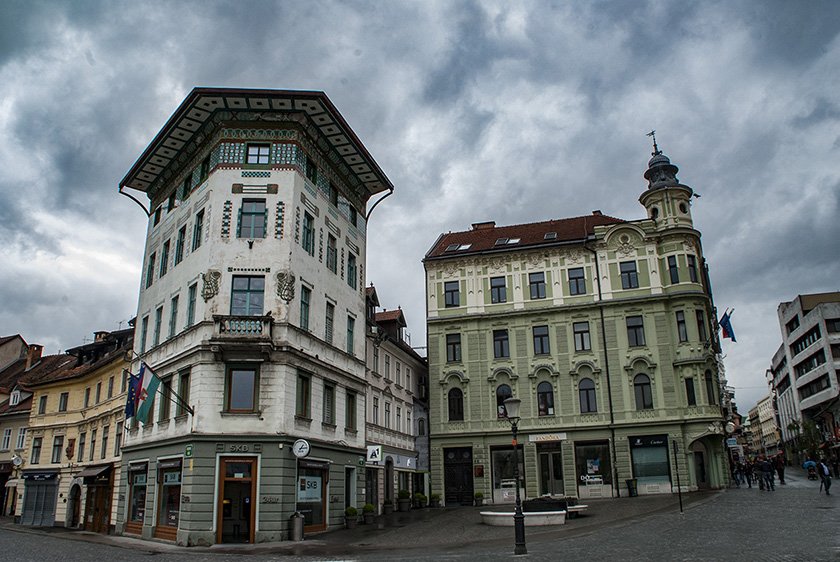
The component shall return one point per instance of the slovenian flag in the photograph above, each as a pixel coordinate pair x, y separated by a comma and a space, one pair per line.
149, 383
726, 326
133, 396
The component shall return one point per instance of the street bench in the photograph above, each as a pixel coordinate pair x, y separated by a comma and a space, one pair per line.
575, 510
532, 518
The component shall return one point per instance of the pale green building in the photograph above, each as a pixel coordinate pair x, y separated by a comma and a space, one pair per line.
603, 327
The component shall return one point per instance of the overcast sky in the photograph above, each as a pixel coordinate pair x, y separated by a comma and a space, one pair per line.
504, 111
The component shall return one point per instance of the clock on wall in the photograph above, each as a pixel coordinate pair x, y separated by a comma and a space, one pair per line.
301, 448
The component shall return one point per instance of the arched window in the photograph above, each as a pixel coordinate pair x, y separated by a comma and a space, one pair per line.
503, 392
644, 397
421, 426
545, 399
456, 405
586, 389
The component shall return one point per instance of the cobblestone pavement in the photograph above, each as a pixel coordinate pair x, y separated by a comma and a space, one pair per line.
791, 524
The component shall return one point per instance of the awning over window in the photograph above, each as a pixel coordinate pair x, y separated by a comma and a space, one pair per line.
94, 471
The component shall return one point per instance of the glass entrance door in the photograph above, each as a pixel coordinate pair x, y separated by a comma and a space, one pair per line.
551, 473
237, 488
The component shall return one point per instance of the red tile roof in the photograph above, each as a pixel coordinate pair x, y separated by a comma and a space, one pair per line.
391, 316
483, 236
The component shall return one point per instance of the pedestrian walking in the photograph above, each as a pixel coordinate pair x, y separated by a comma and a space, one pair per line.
767, 475
748, 472
825, 475
779, 465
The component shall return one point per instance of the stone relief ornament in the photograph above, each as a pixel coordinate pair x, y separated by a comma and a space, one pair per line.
210, 287
574, 257
285, 286
496, 266
689, 245
625, 249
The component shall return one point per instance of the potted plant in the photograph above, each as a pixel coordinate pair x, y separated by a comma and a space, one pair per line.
479, 499
387, 507
368, 514
434, 500
351, 517
419, 500
404, 500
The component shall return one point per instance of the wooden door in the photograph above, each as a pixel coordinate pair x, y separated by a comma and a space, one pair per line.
237, 500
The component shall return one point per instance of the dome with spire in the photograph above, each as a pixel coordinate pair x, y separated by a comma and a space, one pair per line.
660, 172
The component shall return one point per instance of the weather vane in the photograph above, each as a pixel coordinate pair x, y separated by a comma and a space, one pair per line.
656, 150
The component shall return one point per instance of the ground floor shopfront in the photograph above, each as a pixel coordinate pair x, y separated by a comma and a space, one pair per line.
74, 497
580, 463
217, 489
390, 470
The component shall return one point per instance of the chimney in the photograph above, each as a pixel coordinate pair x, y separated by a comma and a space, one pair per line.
484, 225
33, 355
597, 212
100, 336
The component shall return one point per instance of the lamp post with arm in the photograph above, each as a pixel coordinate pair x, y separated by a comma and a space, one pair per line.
512, 416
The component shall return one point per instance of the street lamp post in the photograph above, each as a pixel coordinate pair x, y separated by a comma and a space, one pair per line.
512, 415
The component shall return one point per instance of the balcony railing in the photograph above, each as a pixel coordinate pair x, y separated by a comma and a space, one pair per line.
243, 326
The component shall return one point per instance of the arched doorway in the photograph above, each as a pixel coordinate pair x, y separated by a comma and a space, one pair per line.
74, 510
700, 464
389, 480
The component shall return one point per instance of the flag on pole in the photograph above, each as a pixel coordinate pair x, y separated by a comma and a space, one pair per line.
726, 325
133, 395
149, 383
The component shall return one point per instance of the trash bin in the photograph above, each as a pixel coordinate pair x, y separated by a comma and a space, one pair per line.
296, 526
632, 487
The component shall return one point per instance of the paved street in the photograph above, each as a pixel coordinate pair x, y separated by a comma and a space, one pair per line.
791, 524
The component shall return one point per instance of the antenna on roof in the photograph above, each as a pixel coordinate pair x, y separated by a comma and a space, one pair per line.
656, 150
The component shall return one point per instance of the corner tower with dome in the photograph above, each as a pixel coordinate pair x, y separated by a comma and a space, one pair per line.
603, 327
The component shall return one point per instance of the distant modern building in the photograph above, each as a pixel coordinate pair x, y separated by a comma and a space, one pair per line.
397, 409
252, 311
603, 327
805, 370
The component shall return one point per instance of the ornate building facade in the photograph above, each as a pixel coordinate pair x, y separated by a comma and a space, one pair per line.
252, 312
603, 327
397, 409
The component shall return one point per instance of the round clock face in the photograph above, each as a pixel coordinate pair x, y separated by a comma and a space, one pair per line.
301, 448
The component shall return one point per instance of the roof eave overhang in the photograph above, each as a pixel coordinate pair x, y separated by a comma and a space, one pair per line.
200, 105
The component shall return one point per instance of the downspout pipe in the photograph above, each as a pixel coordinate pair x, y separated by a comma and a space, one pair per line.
606, 366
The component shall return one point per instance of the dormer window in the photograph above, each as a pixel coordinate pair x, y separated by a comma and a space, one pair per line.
14, 399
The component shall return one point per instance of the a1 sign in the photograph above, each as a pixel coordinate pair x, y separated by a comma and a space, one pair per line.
374, 453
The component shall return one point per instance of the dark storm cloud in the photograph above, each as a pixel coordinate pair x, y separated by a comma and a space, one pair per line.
505, 111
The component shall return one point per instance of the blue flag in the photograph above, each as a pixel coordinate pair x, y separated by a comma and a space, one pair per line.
132, 396
726, 326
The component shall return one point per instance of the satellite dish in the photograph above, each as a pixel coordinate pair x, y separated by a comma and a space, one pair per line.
17, 461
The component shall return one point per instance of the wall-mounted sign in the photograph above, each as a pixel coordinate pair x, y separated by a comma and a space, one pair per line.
188, 451
547, 437
649, 441
374, 453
